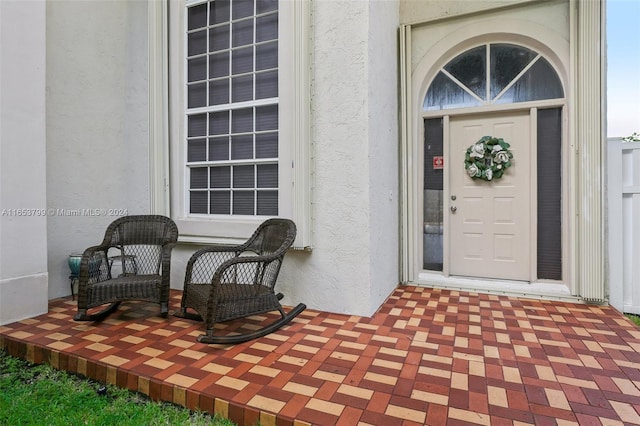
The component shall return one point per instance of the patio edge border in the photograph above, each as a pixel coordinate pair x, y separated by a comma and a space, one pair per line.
154, 389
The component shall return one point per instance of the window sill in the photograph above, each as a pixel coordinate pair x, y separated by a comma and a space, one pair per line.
232, 231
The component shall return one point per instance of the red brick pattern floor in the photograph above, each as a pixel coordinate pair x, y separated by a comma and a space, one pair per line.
428, 356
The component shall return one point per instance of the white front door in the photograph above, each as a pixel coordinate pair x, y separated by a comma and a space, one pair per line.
490, 222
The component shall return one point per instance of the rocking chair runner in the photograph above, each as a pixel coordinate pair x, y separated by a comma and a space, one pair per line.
143, 245
229, 282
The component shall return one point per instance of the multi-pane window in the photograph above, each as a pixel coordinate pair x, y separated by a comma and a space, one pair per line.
493, 74
232, 107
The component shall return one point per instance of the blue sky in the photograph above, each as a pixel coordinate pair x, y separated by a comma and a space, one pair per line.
623, 70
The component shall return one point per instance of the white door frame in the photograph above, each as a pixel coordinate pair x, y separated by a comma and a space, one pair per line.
583, 129
535, 288
575, 48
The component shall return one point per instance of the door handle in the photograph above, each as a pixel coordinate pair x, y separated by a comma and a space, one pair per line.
453, 209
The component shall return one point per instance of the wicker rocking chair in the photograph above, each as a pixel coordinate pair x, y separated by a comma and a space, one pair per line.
142, 245
224, 283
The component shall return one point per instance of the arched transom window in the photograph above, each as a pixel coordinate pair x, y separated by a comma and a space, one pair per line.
493, 74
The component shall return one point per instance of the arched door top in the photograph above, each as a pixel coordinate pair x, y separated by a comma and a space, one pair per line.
493, 73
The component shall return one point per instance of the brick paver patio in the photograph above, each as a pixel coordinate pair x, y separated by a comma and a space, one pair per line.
429, 356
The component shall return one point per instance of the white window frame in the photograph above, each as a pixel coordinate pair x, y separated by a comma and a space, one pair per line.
168, 185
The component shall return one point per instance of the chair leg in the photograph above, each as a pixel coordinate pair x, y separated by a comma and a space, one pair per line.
209, 338
164, 309
83, 316
183, 313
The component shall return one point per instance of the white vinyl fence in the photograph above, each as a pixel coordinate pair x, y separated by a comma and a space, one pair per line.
623, 178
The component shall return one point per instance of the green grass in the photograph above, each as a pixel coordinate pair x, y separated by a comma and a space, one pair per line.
41, 395
634, 318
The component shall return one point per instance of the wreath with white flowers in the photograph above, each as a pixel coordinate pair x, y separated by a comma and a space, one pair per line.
488, 158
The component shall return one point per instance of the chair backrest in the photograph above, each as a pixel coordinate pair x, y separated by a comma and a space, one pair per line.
141, 229
141, 240
272, 236
271, 239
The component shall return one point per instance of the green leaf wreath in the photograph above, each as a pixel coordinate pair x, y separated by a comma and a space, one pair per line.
488, 158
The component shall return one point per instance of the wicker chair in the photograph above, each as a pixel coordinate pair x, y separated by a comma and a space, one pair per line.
142, 245
224, 283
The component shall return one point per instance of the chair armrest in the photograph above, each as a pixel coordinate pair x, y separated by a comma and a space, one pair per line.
254, 270
94, 266
204, 262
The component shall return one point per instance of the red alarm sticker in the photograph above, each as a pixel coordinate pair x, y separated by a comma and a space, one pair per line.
438, 162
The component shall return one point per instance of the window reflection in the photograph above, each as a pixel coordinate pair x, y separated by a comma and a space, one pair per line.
539, 82
444, 93
470, 69
506, 65
507, 61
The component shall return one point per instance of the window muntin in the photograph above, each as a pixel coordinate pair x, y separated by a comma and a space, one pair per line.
493, 74
470, 70
539, 82
232, 127
507, 62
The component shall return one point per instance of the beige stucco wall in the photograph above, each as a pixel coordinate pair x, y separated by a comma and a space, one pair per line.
416, 11
97, 149
354, 150
97, 140
97, 124
354, 265
542, 26
23, 224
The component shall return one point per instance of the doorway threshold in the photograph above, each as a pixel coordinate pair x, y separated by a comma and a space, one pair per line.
544, 290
